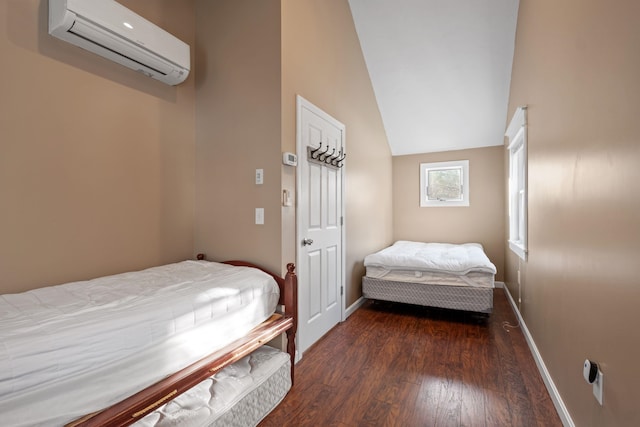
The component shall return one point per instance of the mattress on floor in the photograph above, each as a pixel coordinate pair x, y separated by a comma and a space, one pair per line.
240, 395
477, 299
474, 279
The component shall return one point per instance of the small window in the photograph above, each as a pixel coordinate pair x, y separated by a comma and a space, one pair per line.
517, 146
444, 184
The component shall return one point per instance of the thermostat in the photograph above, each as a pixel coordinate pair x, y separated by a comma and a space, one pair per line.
290, 159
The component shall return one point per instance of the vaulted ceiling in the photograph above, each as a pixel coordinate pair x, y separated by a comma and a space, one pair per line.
440, 69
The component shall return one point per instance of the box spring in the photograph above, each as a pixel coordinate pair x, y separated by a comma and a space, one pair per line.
451, 297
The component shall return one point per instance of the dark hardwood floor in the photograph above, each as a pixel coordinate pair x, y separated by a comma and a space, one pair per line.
399, 365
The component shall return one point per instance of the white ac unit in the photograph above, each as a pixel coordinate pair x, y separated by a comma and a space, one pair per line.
111, 30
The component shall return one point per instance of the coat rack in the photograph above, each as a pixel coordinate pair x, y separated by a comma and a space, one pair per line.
323, 157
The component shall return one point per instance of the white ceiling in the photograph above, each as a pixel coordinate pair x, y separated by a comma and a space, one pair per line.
440, 69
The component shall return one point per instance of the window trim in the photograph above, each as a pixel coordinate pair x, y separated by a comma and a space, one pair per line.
518, 193
424, 167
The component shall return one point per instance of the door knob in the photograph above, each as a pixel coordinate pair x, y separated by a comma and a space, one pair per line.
306, 242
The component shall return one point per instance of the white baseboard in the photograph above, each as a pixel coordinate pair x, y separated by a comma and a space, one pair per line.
499, 285
565, 417
353, 307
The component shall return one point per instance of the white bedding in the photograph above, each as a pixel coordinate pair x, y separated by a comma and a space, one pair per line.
73, 349
432, 257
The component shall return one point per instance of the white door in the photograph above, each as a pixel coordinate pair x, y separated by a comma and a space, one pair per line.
319, 223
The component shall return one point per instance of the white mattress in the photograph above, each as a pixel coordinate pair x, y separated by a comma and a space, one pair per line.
432, 257
73, 349
241, 394
474, 279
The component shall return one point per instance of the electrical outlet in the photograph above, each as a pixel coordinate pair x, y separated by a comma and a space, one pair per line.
259, 176
598, 385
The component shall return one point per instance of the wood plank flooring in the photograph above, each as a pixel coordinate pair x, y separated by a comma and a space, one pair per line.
400, 365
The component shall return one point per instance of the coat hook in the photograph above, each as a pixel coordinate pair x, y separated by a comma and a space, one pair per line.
328, 157
322, 154
336, 159
339, 163
313, 152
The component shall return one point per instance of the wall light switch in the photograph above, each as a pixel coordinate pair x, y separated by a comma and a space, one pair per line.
259, 216
286, 198
259, 176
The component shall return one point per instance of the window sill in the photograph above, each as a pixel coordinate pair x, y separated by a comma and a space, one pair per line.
518, 249
444, 204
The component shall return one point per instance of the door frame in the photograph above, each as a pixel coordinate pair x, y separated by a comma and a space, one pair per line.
300, 104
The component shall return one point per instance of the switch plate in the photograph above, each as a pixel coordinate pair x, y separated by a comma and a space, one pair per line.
259, 176
259, 216
286, 198
597, 387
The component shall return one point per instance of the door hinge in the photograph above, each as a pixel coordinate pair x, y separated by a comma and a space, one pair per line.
341, 290
341, 220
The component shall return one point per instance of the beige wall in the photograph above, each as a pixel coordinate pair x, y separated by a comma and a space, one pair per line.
482, 221
322, 61
253, 58
238, 130
104, 170
577, 66
96, 160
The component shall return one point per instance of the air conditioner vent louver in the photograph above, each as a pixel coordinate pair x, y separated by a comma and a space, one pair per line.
118, 53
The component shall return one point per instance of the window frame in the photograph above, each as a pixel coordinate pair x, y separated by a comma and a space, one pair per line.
424, 198
516, 134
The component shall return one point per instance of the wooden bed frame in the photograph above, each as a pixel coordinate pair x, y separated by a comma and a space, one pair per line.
137, 406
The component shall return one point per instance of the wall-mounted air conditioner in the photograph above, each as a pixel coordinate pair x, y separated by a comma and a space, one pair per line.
111, 30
